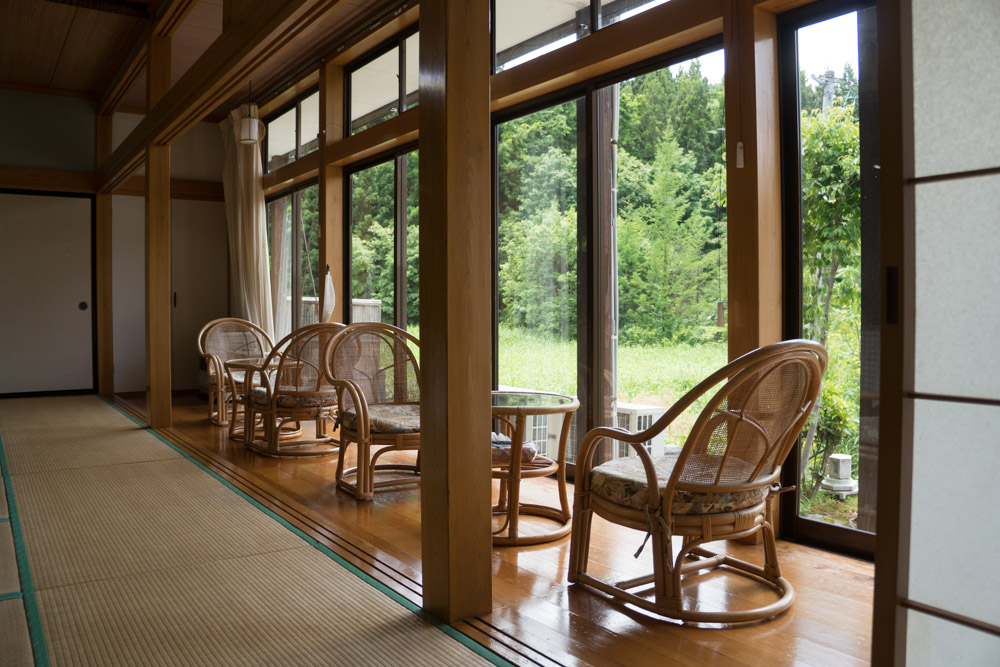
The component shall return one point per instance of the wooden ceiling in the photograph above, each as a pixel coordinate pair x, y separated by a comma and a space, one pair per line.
60, 48
68, 47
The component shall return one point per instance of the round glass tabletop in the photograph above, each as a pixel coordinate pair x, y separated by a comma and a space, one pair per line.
530, 399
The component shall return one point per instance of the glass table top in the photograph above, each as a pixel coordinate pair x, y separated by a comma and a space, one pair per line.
529, 399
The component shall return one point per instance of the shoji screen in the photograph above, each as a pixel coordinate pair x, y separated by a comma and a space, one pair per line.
954, 538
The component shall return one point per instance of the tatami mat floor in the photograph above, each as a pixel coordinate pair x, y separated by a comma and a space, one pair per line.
139, 556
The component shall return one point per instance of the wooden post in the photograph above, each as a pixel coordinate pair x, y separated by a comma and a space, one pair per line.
105, 316
158, 302
753, 177
455, 307
752, 170
331, 188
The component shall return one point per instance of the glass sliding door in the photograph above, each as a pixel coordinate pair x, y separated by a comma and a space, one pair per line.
668, 141
293, 249
373, 242
832, 283
411, 168
536, 241
384, 213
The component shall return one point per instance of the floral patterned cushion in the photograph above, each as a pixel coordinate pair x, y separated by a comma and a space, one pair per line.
388, 418
502, 446
293, 401
623, 481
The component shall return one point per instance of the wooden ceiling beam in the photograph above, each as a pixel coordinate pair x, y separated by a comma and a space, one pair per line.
51, 180
265, 28
170, 16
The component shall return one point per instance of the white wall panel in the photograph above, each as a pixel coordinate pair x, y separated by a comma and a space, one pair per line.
958, 287
198, 154
47, 131
956, 48
932, 641
198, 278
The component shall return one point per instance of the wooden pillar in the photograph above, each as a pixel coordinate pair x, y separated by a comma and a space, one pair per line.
331, 188
753, 173
158, 366
455, 307
750, 37
105, 317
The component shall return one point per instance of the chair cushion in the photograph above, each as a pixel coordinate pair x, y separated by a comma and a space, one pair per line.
237, 377
295, 401
386, 418
502, 446
623, 481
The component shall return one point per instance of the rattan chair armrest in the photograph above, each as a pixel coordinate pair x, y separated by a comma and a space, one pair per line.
215, 368
585, 455
358, 399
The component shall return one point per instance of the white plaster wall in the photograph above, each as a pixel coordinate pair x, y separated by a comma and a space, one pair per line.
198, 154
199, 254
199, 280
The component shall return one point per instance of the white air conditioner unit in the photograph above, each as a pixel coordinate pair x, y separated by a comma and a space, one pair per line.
635, 418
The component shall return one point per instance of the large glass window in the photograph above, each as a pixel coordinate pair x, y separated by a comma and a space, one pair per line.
613, 11
292, 132
384, 84
293, 249
537, 220
668, 143
525, 29
385, 242
832, 286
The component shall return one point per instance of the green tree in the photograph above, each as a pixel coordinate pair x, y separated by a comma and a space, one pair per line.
831, 226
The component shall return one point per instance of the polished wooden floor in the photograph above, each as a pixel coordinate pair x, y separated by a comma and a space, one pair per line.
537, 618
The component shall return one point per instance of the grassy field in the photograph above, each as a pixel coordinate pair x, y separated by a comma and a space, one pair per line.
647, 375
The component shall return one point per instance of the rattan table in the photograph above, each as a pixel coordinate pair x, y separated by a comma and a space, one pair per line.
512, 409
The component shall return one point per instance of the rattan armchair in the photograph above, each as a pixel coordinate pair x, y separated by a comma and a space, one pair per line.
292, 387
218, 342
377, 375
719, 486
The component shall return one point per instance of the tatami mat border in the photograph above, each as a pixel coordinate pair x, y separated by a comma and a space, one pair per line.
449, 630
27, 595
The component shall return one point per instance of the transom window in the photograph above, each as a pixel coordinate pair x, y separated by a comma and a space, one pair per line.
292, 132
384, 83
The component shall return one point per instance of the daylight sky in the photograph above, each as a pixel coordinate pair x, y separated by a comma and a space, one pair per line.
822, 46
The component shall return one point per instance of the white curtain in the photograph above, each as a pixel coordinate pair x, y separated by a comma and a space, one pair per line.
248, 265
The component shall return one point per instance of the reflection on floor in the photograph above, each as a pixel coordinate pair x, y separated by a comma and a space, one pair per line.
537, 618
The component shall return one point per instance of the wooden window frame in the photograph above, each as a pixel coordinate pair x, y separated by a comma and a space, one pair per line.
841, 539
